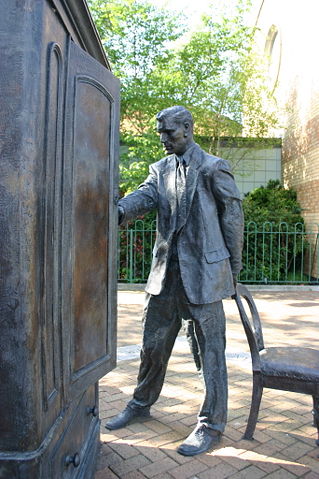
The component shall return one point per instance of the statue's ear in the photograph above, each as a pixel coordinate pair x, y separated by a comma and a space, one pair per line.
187, 128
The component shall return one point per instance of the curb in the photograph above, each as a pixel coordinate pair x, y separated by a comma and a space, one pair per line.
251, 287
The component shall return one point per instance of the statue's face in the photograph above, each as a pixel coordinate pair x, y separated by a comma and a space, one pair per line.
174, 135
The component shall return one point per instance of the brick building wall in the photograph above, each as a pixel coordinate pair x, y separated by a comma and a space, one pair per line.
289, 35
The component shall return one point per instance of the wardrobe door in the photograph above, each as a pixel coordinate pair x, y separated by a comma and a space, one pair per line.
89, 221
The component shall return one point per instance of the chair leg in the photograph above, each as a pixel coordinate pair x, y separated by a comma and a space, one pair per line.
315, 413
254, 408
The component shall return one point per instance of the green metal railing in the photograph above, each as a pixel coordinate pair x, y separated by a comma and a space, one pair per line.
280, 253
273, 253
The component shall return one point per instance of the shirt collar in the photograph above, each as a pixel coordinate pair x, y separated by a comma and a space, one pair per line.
187, 155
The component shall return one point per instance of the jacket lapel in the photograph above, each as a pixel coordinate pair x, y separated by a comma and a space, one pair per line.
192, 176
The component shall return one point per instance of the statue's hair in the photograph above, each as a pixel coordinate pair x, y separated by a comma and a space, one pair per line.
180, 114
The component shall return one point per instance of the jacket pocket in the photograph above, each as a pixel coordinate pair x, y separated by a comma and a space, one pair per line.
217, 255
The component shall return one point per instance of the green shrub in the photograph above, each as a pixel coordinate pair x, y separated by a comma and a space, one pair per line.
272, 203
275, 240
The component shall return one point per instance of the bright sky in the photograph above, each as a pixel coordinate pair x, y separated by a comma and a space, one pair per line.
192, 6
193, 9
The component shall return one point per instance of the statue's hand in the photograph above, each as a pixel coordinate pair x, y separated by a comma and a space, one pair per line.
120, 213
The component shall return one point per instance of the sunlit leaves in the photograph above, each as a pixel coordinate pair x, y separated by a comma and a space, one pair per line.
213, 72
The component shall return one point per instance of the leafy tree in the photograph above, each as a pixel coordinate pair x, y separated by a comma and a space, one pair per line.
213, 73
137, 37
217, 75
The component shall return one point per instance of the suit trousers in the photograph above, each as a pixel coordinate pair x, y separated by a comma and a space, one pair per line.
162, 320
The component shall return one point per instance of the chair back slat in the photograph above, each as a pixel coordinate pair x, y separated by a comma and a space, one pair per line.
243, 292
253, 346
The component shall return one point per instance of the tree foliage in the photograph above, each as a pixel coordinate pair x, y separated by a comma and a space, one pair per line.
217, 75
137, 38
213, 72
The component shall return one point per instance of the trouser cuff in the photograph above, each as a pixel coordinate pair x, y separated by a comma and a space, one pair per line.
135, 405
210, 425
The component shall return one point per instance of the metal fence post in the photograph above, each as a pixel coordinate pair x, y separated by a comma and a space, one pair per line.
131, 256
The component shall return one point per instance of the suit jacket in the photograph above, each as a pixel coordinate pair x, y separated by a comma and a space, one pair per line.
210, 243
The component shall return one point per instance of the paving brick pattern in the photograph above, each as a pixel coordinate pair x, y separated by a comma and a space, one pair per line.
284, 445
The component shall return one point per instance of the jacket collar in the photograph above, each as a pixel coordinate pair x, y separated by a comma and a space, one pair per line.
188, 154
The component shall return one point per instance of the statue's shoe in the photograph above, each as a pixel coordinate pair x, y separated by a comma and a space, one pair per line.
127, 416
200, 440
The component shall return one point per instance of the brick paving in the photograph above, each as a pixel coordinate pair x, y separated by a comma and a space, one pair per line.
284, 444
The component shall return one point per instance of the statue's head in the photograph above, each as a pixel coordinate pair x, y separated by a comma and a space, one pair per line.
175, 127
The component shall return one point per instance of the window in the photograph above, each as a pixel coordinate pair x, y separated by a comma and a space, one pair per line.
273, 53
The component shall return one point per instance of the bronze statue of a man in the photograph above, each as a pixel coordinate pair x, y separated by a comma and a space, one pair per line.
196, 258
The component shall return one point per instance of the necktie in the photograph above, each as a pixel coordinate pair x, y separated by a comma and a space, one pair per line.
180, 193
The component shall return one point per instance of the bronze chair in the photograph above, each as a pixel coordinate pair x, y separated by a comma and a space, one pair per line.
285, 368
